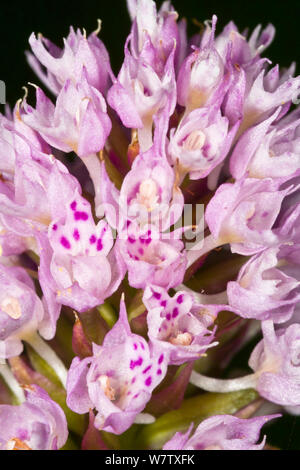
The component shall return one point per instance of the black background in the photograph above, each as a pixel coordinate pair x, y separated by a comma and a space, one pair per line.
53, 18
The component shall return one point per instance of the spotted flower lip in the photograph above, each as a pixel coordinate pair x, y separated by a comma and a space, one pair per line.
118, 390
150, 258
178, 325
175, 185
77, 247
223, 432
37, 424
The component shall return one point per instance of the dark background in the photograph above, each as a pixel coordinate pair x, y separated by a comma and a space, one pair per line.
53, 18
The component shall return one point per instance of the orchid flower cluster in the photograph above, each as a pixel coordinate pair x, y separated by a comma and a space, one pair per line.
117, 331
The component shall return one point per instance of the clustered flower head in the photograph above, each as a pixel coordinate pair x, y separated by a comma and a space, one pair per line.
150, 228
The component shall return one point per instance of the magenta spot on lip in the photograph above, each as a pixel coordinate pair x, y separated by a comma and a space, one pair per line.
73, 205
160, 359
136, 258
76, 234
92, 239
264, 214
146, 370
81, 215
180, 299
148, 381
131, 240
168, 316
99, 245
163, 303
159, 371
136, 363
142, 346
133, 380
65, 243
135, 346
149, 232
148, 241
136, 395
54, 227
141, 251
175, 312
156, 295
142, 240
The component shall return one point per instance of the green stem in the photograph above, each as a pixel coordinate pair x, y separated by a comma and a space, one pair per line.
108, 314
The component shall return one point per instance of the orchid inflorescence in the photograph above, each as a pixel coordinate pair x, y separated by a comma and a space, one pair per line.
94, 189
